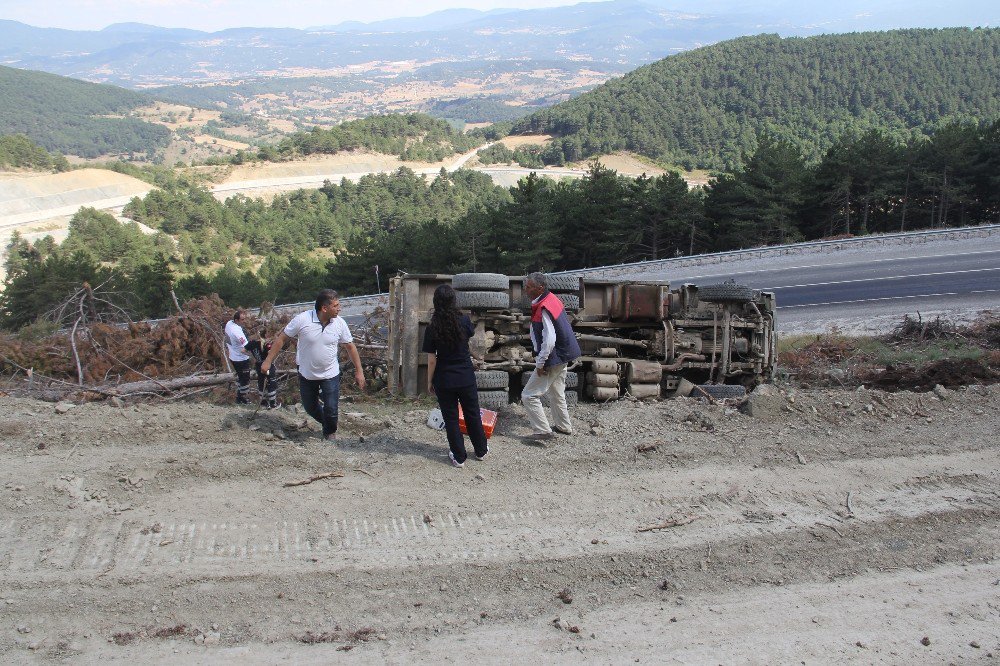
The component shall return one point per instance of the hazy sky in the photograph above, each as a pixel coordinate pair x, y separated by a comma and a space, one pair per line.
220, 14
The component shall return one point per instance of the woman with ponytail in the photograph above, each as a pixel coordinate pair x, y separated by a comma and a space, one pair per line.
450, 374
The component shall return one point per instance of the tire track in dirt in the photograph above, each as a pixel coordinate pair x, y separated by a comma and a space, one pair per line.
811, 499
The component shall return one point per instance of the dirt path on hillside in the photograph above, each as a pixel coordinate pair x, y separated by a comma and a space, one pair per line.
163, 532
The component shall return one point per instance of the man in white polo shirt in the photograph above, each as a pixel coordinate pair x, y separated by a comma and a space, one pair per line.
320, 334
236, 341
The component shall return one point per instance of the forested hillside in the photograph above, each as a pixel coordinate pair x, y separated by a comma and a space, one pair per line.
20, 152
705, 108
411, 136
288, 249
66, 116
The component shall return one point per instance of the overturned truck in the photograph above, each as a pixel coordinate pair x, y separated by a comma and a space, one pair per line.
642, 339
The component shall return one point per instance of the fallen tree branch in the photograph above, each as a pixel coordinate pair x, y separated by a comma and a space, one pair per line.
154, 385
832, 527
673, 522
303, 482
704, 394
76, 356
189, 382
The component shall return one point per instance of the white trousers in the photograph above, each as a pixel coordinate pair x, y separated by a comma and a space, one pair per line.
553, 385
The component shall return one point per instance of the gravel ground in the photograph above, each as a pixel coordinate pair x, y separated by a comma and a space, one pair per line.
813, 526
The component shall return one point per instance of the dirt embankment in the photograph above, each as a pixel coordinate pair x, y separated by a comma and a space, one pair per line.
824, 525
28, 194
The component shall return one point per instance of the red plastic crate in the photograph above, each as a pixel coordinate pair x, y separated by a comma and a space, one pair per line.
489, 421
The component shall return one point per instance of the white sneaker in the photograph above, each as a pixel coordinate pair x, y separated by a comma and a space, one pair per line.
454, 463
481, 457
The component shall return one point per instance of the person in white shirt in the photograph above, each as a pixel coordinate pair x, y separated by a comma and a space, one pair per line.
236, 341
320, 334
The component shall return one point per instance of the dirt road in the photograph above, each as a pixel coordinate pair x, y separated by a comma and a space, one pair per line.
828, 526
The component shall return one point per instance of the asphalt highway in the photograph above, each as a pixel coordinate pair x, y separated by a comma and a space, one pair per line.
868, 290
876, 280
849, 289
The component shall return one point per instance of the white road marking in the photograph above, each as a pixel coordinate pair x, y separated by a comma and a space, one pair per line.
842, 263
887, 298
878, 279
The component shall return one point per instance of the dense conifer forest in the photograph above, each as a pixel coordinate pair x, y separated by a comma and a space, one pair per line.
335, 236
705, 108
411, 137
67, 116
19, 152
821, 137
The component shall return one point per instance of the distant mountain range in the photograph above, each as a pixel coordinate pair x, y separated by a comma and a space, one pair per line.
613, 36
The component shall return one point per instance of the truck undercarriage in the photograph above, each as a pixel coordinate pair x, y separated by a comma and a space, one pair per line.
643, 339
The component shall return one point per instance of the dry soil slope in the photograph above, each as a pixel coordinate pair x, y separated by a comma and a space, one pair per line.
149, 525
31, 197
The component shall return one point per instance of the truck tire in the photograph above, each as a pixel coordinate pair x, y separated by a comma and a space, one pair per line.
570, 301
572, 399
719, 391
493, 400
727, 292
563, 283
492, 379
482, 300
480, 282
572, 379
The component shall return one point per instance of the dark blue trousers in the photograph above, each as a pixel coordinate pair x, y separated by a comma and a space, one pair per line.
320, 398
468, 397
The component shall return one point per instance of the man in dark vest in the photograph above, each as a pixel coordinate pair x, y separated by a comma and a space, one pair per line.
555, 347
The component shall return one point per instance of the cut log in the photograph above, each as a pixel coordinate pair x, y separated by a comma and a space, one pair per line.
164, 385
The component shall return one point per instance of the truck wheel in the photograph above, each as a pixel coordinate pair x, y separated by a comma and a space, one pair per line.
482, 300
572, 379
493, 400
570, 301
480, 282
727, 292
492, 379
719, 391
572, 399
563, 283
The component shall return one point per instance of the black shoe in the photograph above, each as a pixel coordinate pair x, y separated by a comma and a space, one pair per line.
242, 401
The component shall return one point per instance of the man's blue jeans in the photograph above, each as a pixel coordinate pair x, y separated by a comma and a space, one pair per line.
320, 399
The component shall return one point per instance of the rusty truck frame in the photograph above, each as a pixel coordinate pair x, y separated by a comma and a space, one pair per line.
639, 338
